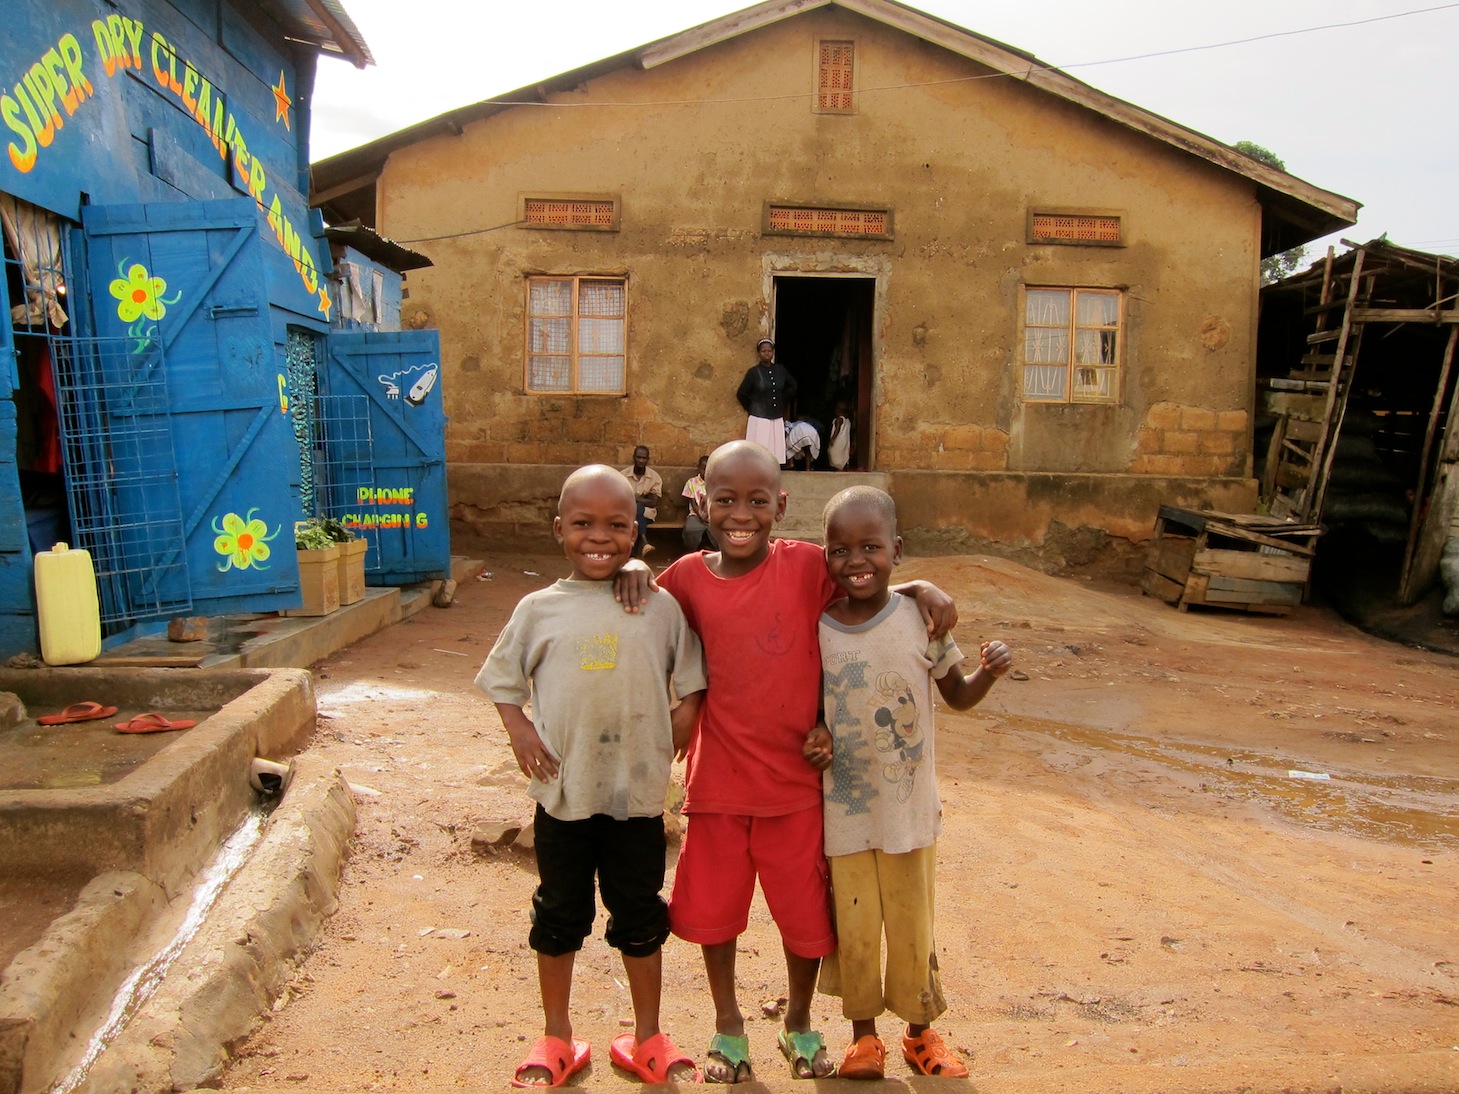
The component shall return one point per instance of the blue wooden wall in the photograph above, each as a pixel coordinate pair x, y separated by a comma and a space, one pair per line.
142, 103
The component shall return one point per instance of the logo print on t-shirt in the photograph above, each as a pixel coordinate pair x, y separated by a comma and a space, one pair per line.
774, 642
598, 652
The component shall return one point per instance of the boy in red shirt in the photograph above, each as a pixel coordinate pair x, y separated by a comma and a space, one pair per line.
753, 801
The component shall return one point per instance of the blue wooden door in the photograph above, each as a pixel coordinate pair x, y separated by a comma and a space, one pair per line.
186, 457
403, 510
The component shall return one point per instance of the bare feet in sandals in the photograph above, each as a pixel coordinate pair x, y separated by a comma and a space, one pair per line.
807, 1054
728, 1060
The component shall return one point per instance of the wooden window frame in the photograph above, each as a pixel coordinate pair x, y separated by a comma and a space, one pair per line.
770, 207
1033, 238
574, 352
819, 88
523, 201
1071, 396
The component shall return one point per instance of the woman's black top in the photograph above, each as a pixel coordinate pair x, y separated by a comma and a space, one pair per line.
766, 391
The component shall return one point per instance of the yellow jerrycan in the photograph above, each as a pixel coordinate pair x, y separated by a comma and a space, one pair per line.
66, 606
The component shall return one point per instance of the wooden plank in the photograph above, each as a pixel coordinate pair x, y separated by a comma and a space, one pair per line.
143, 662
1235, 590
1161, 587
1252, 565
1407, 587
1195, 591
1171, 557
1428, 316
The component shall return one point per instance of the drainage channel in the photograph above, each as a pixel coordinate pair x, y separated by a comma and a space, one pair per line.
144, 981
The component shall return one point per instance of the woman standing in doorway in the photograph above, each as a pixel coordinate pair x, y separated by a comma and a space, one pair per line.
767, 393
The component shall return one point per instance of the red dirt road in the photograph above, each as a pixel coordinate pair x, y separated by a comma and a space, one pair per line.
1135, 893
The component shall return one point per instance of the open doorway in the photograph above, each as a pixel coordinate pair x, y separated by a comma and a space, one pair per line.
823, 328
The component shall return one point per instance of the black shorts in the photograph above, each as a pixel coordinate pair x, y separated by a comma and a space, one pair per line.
626, 856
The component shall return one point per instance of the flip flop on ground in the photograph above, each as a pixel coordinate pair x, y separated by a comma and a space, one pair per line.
652, 1060
555, 1056
152, 722
77, 712
929, 1055
728, 1056
801, 1050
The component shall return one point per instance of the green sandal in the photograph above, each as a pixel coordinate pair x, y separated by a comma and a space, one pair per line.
800, 1049
734, 1052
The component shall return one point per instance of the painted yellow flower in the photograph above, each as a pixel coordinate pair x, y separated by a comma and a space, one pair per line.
242, 541
140, 295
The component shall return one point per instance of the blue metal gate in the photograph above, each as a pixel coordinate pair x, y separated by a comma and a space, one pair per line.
185, 371
403, 510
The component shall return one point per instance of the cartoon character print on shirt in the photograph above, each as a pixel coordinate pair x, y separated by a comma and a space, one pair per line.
899, 731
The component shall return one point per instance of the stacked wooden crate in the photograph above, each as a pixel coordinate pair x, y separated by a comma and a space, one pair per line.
1228, 560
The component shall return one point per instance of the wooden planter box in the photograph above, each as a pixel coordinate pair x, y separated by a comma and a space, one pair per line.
318, 581
1226, 560
352, 570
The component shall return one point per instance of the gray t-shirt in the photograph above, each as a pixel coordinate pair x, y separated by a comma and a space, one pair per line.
598, 679
881, 787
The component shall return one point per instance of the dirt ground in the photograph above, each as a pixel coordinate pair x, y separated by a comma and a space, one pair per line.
1138, 890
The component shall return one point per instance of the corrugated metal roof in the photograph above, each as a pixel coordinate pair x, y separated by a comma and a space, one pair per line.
321, 23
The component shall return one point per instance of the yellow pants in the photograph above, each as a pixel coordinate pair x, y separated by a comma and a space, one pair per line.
876, 894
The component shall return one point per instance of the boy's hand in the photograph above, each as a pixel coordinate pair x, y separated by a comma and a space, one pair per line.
632, 584
939, 611
997, 658
527, 746
817, 747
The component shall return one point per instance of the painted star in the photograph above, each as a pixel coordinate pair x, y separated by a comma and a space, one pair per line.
282, 102
325, 303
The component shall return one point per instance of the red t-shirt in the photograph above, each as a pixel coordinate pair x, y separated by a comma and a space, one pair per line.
763, 661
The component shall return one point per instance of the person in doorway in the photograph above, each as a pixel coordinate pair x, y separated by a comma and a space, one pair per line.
882, 813
802, 444
648, 488
838, 446
696, 520
767, 393
598, 748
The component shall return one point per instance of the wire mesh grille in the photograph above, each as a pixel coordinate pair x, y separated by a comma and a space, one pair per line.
344, 465
121, 474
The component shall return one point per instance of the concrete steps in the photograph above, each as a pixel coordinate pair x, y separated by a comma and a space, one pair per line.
809, 491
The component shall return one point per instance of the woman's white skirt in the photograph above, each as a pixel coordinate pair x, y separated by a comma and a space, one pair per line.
768, 433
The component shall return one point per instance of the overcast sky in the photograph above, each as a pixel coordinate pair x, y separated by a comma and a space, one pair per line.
1367, 110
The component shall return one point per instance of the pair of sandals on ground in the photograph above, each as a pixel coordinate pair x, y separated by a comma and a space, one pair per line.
150, 722
654, 1059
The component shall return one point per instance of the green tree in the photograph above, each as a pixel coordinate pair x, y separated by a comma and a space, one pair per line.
1277, 266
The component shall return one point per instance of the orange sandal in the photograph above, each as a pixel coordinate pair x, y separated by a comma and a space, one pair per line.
866, 1058
928, 1055
152, 722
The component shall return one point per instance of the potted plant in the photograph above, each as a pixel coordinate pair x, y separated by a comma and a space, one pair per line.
318, 568
351, 559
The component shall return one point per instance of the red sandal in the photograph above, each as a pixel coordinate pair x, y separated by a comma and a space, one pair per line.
76, 712
152, 722
928, 1055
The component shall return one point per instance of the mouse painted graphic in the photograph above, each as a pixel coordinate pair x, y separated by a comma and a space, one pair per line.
899, 732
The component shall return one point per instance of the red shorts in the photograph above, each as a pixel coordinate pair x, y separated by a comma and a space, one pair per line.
715, 879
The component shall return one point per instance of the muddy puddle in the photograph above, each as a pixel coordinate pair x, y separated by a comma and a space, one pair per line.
1422, 811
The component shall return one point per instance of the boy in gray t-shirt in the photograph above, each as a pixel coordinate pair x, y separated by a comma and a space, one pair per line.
598, 749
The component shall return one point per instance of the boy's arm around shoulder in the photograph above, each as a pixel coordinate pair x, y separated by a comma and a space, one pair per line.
939, 611
963, 692
686, 674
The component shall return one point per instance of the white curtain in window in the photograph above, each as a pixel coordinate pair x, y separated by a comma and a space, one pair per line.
35, 237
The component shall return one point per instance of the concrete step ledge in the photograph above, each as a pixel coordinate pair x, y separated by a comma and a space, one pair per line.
247, 950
